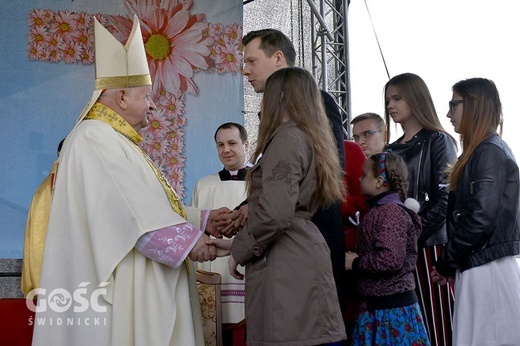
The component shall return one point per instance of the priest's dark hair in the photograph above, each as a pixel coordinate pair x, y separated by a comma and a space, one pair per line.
230, 125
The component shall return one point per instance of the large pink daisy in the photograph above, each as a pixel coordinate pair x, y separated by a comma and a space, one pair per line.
174, 39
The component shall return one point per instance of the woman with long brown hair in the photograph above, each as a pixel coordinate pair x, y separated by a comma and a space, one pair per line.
483, 222
290, 292
428, 151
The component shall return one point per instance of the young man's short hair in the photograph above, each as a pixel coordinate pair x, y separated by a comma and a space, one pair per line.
273, 40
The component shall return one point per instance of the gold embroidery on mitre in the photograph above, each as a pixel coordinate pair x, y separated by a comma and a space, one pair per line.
123, 81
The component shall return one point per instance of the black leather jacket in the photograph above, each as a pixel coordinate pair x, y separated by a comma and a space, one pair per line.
483, 212
427, 156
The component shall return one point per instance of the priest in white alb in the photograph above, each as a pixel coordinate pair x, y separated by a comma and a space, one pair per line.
226, 188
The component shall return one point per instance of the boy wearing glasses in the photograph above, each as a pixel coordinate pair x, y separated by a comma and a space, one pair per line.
368, 130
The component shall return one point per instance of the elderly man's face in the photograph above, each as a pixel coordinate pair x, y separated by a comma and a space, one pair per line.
139, 105
368, 136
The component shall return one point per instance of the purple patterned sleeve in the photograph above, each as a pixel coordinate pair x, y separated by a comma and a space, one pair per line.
170, 245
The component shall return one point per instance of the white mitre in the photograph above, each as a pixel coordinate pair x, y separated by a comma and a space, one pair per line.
118, 66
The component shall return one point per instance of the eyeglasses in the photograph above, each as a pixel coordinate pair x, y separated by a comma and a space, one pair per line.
453, 104
364, 135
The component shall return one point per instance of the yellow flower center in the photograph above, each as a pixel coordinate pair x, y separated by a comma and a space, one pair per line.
230, 57
64, 27
172, 107
158, 47
155, 124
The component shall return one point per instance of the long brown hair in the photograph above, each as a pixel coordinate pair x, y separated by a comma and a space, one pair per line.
415, 92
293, 92
481, 116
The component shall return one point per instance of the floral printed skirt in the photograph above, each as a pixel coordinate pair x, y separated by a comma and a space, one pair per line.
397, 326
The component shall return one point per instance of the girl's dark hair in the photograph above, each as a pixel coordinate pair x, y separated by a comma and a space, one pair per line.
394, 169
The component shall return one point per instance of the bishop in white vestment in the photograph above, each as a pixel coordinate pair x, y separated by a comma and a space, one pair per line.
115, 269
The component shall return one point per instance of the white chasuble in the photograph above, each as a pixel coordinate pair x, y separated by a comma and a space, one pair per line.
97, 288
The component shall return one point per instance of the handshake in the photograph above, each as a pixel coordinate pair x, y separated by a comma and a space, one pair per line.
225, 222
222, 222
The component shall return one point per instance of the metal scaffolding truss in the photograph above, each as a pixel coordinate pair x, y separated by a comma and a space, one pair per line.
330, 64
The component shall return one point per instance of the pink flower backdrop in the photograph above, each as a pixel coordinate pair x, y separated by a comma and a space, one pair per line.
178, 44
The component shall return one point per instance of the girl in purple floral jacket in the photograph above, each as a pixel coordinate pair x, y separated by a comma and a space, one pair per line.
385, 258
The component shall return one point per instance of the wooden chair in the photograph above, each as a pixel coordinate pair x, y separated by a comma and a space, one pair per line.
209, 295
